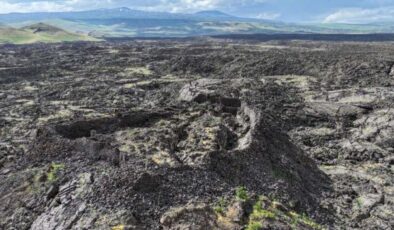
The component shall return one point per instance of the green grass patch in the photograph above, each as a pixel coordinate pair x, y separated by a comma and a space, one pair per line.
297, 218
10, 35
265, 210
254, 225
220, 206
260, 213
359, 202
54, 170
241, 194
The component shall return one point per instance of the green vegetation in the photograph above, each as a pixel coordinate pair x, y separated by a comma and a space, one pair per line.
265, 209
39, 33
297, 218
254, 225
241, 193
259, 213
198, 27
359, 202
53, 171
118, 227
175, 25
48, 175
308, 221
220, 206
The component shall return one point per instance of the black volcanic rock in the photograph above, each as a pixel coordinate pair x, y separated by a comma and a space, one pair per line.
197, 133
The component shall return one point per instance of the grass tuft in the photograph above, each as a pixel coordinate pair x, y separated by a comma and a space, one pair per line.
241, 193
220, 207
260, 213
54, 169
297, 218
118, 227
254, 225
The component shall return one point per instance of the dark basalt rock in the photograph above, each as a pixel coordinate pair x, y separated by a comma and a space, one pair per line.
151, 135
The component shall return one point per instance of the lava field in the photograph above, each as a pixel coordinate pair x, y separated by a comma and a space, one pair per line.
197, 134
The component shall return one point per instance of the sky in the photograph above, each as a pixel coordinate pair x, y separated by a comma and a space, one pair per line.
298, 11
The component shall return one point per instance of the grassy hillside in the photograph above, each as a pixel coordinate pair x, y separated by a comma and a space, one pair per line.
124, 22
39, 32
117, 27
157, 28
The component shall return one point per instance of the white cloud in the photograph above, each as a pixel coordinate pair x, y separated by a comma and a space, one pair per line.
177, 6
39, 6
268, 15
7, 6
188, 6
360, 15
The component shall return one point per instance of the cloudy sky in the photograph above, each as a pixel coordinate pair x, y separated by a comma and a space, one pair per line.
328, 11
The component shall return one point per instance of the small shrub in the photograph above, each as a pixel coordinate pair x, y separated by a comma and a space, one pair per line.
220, 207
296, 218
241, 193
54, 169
359, 202
263, 214
260, 213
254, 225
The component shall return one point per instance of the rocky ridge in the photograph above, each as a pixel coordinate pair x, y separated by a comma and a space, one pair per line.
196, 135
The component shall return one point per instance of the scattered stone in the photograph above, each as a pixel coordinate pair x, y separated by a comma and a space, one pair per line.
191, 216
52, 192
145, 127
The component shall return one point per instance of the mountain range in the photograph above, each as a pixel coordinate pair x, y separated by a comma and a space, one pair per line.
125, 22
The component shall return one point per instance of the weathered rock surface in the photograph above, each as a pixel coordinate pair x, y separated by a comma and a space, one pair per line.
152, 135
192, 216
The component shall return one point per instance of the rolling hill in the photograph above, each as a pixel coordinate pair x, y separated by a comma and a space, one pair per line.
39, 32
125, 22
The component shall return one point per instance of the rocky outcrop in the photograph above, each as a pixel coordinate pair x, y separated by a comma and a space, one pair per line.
191, 216
152, 135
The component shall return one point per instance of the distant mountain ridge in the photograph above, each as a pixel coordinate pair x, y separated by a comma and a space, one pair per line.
126, 22
122, 12
213, 13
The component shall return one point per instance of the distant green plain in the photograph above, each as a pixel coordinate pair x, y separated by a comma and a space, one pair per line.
20, 36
